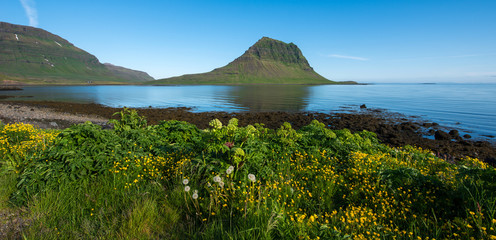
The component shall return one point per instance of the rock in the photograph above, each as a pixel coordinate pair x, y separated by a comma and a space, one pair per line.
467, 136
363, 106
54, 124
454, 133
440, 135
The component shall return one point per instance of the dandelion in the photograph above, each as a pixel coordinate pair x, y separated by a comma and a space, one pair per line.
187, 188
252, 178
221, 184
494, 221
229, 170
185, 181
217, 179
195, 195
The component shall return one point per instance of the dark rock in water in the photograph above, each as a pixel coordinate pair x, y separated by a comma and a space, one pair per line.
363, 106
440, 135
467, 136
454, 133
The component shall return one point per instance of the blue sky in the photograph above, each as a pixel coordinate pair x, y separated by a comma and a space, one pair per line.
365, 41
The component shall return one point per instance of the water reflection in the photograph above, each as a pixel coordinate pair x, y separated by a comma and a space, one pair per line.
263, 98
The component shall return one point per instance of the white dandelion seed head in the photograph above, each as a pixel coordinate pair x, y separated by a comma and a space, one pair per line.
185, 181
217, 179
230, 169
221, 184
195, 196
195, 191
187, 188
252, 177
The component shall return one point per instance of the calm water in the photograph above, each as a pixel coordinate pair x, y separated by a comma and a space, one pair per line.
470, 107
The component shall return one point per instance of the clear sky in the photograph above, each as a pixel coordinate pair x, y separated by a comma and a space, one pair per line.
361, 40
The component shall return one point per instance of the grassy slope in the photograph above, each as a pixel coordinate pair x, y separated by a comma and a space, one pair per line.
269, 61
36, 56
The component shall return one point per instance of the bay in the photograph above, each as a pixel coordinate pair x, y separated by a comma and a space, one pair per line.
468, 107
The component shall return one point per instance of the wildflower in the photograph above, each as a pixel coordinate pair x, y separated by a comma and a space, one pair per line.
217, 179
195, 195
185, 181
233, 122
229, 170
252, 178
229, 144
494, 221
221, 184
216, 124
187, 188
469, 226
239, 152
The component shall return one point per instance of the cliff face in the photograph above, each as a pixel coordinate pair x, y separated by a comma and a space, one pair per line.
267, 49
33, 55
268, 61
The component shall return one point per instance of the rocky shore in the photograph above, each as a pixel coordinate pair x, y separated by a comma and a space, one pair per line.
392, 129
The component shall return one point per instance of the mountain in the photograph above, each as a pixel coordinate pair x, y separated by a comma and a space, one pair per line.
34, 56
268, 61
127, 73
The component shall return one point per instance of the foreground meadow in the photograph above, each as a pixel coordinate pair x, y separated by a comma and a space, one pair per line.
175, 181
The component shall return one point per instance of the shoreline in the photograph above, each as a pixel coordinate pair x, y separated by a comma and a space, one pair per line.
392, 129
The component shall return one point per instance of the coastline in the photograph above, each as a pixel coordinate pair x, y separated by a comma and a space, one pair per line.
392, 130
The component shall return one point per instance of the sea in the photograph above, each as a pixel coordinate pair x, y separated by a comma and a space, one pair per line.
470, 108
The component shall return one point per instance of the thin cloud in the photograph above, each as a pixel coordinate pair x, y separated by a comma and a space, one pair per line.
31, 13
348, 57
446, 57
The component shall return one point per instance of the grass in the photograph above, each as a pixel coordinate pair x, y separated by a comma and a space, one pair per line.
175, 181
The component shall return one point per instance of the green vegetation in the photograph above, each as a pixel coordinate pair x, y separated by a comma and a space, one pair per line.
35, 56
175, 181
268, 61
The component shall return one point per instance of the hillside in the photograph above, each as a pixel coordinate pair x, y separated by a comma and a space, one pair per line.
126, 73
268, 61
34, 56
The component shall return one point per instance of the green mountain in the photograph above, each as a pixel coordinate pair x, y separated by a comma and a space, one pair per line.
126, 73
268, 61
34, 56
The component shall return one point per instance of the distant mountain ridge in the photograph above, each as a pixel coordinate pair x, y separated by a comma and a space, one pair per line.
35, 56
268, 61
126, 73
